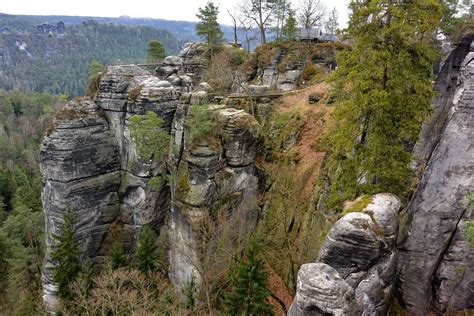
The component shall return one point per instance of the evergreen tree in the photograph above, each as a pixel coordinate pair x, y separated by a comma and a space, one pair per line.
155, 50
67, 255
384, 89
149, 136
290, 27
248, 286
95, 71
3, 212
208, 28
189, 292
145, 256
87, 274
118, 259
332, 23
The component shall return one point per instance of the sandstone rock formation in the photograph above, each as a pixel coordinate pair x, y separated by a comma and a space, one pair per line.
436, 270
281, 79
355, 270
219, 176
90, 166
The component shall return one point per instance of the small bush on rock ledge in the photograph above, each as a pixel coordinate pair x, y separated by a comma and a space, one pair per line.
202, 124
151, 140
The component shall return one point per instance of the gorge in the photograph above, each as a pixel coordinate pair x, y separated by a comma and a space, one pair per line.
378, 253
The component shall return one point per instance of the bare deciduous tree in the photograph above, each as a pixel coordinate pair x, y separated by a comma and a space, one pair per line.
261, 12
311, 13
233, 16
246, 25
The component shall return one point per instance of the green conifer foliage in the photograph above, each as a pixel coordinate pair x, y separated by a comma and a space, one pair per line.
208, 28
155, 51
290, 28
145, 257
189, 292
150, 138
249, 290
67, 255
117, 257
384, 87
87, 274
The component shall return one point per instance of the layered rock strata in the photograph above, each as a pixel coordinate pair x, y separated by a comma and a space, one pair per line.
90, 166
436, 270
355, 269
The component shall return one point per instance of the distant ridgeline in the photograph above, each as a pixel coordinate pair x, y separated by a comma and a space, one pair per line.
52, 54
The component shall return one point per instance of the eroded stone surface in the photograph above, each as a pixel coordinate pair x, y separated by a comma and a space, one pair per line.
435, 268
360, 250
90, 165
213, 176
322, 291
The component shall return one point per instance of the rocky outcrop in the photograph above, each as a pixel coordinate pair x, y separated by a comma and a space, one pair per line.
214, 176
80, 164
279, 74
355, 269
90, 165
435, 268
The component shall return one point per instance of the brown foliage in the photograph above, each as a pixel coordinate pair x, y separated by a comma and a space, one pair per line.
123, 292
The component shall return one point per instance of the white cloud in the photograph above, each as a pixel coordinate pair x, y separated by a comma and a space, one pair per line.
162, 9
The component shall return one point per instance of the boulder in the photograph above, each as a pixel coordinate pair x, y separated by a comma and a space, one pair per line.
322, 291
358, 255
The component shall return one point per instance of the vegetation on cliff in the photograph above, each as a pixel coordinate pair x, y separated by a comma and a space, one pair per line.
384, 90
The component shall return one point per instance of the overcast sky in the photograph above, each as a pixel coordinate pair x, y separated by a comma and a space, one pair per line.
162, 9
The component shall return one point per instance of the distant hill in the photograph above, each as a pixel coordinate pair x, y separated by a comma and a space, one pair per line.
52, 53
38, 54
184, 31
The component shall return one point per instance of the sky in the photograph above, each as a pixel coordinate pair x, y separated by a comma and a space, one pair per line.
162, 9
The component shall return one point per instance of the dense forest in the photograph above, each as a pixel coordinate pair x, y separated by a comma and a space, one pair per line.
23, 119
56, 61
184, 31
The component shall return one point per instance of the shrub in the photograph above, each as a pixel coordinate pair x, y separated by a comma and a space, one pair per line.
150, 138
95, 72
314, 98
203, 124
312, 74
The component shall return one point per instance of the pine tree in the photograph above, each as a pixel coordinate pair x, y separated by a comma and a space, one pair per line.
87, 274
67, 255
145, 256
332, 23
155, 50
189, 292
248, 286
290, 27
384, 89
117, 257
208, 28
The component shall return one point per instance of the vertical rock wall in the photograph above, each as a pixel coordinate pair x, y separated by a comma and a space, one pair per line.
213, 176
91, 167
436, 268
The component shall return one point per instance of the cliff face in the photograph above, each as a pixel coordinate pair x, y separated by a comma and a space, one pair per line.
90, 166
361, 265
435, 268
355, 269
